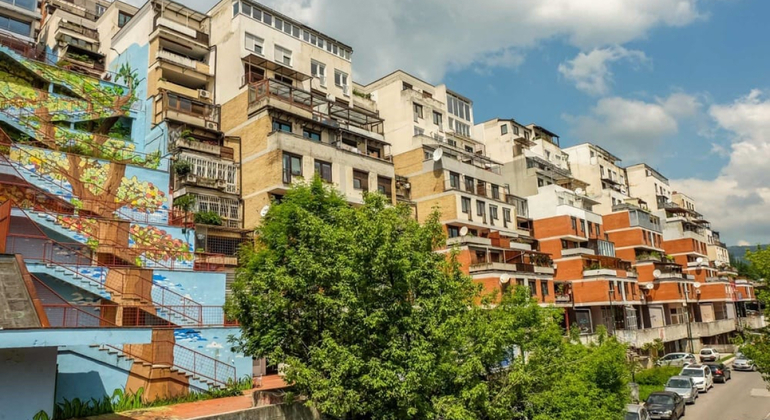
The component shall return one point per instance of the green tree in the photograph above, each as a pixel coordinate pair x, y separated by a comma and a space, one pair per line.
372, 323
757, 345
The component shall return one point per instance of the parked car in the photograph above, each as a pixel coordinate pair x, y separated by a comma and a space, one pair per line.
701, 375
743, 363
684, 386
720, 372
709, 355
665, 405
636, 412
676, 359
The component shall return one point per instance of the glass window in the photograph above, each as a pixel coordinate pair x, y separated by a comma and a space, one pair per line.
318, 69
454, 180
495, 192
99, 9
453, 231
417, 111
340, 79
384, 186
292, 166
507, 215
282, 55
516, 129
246, 9
437, 117
281, 126
466, 205
323, 170
310, 134
26, 4
469, 184
574, 223
253, 43
481, 208
123, 19
504, 129
361, 180
493, 212
267, 18
543, 288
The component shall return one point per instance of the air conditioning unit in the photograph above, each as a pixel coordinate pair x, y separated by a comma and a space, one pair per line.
204, 94
211, 126
221, 184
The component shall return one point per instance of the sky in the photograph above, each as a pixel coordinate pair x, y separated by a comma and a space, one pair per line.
679, 84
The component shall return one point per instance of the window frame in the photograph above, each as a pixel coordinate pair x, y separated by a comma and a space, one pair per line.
283, 51
319, 166
465, 205
281, 124
382, 181
289, 172
503, 129
255, 39
363, 180
308, 134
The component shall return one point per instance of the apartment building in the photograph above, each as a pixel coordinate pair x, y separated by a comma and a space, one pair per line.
288, 99
167, 44
648, 185
606, 180
431, 132
19, 23
602, 287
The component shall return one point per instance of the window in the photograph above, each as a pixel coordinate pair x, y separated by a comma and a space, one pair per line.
318, 70
543, 288
469, 149
495, 192
516, 129
267, 18
384, 186
417, 111
99, 9
360, 180
493, 212
507, 215
466, 205
574, 223
310, 134
598, 230
453, 231
437, 119
590, 227
481, 208
340, 79
540, 182
547, 155
323, 170
15, 26
292, 166
454, 180
281, 126
253, 43
418, 131
469, 183
460, 128
406, 86
282, 55
123, 19
504, 129
459, 107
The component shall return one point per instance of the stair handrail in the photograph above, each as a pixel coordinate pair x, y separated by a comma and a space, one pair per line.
66, 304
197, 307
218, 366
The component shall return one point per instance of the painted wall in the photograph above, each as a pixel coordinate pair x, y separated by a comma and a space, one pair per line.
206, 288
86, 372
213, 342
27, 381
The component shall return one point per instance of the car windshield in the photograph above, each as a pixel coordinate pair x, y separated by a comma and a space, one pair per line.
660, 399
714, 368
632, 416
678, 383
692, 372
741, 359
705, 352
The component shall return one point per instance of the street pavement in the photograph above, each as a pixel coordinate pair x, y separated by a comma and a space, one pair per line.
745, 397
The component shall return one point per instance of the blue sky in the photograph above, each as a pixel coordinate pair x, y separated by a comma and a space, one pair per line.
679, 84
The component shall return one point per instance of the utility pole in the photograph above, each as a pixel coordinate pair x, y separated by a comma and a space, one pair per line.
687, 314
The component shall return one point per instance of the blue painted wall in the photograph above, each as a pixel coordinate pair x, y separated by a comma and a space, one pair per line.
27, 381
213, 342
87, 372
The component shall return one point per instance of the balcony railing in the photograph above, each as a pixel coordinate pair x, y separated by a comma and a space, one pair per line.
181, 29
324, 111
179, 59
79, 29
597, 262
176, 104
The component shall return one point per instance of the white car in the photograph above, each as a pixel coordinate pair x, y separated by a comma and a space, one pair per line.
676, 359
709, 355
701, 375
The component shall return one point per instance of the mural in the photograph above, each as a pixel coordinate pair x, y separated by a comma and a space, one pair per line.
206, 288
213, 342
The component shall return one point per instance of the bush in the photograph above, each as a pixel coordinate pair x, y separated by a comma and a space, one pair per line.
182, 167
208, 218
657, 375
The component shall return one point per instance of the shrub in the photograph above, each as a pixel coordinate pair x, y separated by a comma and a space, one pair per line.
182, 167
657, 375
208, 218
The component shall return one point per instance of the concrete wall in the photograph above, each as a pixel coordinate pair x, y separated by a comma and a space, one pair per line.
296, 411
27, 382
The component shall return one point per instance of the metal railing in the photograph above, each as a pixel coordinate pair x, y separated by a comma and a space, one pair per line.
65, 315
189, 360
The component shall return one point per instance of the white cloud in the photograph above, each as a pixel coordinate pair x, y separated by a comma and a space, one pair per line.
633, 129
743, 243
736, 200
590, 71
431, 36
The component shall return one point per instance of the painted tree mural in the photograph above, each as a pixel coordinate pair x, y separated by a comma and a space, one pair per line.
100, 186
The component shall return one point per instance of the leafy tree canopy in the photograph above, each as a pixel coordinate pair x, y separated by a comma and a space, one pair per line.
758, 345
373, 324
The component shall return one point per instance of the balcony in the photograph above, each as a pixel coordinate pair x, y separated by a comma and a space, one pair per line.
80, 30
271, 92
456, 154
183, 61
181, 30
501, 267
468, 240
753, 322
186, 111
479, 189
710, 329
569, 252
599, 263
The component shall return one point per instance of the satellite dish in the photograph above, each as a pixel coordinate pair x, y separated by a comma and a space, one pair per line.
699, 260
649, 286
505, 278
579, 191
696, 285
657, 274
264, 211
437, 154
463, 230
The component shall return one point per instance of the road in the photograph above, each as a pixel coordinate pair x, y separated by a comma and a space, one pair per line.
745, 397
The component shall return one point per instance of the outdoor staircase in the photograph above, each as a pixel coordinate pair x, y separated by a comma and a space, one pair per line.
91, 282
